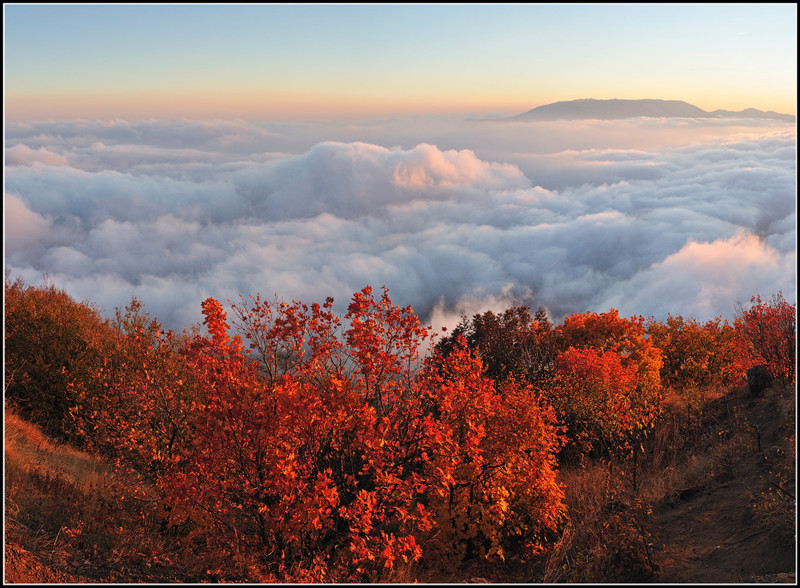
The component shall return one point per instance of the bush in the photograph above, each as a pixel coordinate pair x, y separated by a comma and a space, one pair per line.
51, 342
337, 454
697, 356
768, 334
605, 386
513, 344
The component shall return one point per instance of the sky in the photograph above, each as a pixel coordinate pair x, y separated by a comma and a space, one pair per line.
175, 152
334, 61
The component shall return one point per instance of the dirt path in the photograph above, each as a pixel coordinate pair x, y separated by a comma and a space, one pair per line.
709, 533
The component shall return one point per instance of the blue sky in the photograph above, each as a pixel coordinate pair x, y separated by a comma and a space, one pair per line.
308, 61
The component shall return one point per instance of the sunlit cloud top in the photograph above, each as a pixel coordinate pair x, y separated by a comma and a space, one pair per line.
327, 61
648, 216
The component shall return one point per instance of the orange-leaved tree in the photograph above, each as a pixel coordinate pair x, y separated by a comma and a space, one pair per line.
695, 355
141, 415
323, 448
332, 453
594, 394
606, 386
768, 332
493, 473
699, 359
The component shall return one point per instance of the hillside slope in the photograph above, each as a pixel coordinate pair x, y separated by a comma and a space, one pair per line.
62, 524
731, 519
734, 521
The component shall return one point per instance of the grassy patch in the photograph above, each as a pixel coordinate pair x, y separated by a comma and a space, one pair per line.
63, 505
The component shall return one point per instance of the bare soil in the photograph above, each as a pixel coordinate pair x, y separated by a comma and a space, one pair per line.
710, 532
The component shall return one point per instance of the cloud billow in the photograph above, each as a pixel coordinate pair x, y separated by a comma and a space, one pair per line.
216, 209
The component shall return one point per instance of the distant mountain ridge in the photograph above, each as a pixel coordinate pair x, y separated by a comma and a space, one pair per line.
590, 108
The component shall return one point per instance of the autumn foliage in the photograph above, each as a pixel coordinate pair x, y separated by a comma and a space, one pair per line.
136, 409
606, 386
594, 394
327, 446
50, 341
697, 356
768, 331
599, 372
308, 446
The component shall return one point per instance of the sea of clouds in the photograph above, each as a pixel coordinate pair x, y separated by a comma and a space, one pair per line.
648, 216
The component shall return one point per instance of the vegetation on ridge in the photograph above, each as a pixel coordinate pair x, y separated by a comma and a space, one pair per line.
292, 444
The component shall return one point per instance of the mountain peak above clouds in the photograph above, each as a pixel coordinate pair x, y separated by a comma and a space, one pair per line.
753, 113
590, 108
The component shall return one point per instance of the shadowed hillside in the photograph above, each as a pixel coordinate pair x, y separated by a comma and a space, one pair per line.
733, 519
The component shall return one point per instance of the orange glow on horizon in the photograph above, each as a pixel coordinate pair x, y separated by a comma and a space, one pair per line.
295, 106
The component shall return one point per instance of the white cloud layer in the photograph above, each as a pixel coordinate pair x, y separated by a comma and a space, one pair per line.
454, 217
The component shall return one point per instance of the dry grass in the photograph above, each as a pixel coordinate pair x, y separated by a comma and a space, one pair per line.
62, 504
686, 452
606, 539
31, 451
48, 486
611, 530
